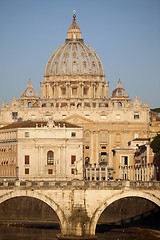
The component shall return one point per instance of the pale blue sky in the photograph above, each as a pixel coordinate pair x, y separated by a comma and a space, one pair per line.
124, 33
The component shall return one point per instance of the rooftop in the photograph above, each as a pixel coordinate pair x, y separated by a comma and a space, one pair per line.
40, 123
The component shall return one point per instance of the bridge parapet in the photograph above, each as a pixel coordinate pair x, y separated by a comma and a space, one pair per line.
80, 184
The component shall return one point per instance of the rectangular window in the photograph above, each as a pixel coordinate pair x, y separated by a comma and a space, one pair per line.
50, 171
103, 153
85, 91
103, 117
73, 159
136, 116
87, 138
136, 135
14, 115
103, 137
26, 170
26, 159
72, 171
74, 91
87, 116
125, 160
103, 147
73, 134
63, 91
118, 116
47, 117
26, 134
63, 116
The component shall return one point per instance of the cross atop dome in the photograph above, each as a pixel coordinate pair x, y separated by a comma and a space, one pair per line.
74, 33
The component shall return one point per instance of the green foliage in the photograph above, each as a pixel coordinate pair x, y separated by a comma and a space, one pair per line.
155, 144
156, 110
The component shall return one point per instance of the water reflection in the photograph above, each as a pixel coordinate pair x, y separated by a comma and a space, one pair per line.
8, 232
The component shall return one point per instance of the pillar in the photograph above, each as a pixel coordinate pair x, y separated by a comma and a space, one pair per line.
41, 161
82, 90
50, 91
92, 147
68, 90
42, 91
97, 147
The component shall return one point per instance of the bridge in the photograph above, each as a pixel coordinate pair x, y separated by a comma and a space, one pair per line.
78, 203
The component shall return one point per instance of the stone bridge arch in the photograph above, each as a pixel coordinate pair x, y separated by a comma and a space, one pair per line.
96, 215
44, 198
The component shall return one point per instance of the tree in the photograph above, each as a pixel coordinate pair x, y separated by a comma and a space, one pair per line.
155, 144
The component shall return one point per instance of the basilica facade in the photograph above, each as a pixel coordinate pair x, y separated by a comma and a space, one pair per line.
75, 91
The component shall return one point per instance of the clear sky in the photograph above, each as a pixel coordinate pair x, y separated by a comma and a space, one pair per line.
124, 33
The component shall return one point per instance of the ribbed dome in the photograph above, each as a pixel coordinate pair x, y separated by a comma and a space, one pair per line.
74, 57
119, 91
29, 92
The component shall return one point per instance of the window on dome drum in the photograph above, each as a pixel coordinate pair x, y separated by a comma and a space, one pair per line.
26, 159
119, 104
29, 104
73, 159
74, 91
73, 134
63, 91
85, 91
26, 170
136, 116
14, 115
50, 158
50, 171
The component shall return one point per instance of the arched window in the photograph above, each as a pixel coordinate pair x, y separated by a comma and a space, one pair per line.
119, 104
29, 104
50, 158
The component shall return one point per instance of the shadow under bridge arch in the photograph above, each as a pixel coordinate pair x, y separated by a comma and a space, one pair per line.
121, 196
33, 205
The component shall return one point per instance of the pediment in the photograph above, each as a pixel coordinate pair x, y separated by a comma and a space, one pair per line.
14, 103
137, 102
78, 120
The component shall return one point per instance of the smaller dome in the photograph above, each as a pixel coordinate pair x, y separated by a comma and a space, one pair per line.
29, 92
119, 92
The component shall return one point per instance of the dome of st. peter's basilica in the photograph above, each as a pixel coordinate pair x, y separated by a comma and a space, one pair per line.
74, 57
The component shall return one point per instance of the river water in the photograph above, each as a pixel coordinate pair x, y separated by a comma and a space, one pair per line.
8, 232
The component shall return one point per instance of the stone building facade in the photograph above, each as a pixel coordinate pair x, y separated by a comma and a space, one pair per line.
75, 91
36, 150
